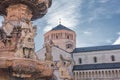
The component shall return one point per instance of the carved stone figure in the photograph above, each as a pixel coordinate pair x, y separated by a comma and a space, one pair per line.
26, 42
48, 54
18, 60
8, 28
2, 45
63, 66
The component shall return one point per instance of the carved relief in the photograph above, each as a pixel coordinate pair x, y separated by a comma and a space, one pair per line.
64, 71
26, 42
18, 58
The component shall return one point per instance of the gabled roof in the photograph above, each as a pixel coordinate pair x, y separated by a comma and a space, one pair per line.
61, 27
96, 48
97, 66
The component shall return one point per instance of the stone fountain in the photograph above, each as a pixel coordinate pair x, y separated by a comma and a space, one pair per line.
18, 60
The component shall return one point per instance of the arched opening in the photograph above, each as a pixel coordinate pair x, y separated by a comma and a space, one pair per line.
95, 59
69, 46
68, 37
80, 61
112, 58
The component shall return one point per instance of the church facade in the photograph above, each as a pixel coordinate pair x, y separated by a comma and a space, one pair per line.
90, 63
97, 63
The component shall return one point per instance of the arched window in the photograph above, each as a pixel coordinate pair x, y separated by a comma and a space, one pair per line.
113, 58
56, 36
68, 37
52, 36
61, 35
74, 73
80, 61
95, 59
69, 46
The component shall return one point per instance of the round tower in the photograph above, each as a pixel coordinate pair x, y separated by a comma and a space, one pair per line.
62, 37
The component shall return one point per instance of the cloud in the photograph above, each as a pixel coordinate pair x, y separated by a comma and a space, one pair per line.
87, 33
118, 33
117, 41
103, 1
98, 13
66, 10
118, 11
108, 41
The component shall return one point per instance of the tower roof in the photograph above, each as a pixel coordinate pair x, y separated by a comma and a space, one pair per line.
61, 27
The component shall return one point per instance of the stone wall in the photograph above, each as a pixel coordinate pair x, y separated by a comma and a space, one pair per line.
101, 56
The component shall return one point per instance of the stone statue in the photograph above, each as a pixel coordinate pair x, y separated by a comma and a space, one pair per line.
48, 54
64, 71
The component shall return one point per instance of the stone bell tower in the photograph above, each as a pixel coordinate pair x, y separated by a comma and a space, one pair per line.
62, 37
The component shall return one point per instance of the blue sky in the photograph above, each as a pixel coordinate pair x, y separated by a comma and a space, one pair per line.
96, 22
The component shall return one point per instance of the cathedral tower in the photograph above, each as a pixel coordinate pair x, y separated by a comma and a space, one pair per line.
62, 37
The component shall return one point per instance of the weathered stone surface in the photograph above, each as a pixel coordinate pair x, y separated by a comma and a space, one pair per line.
18, 60
38, 7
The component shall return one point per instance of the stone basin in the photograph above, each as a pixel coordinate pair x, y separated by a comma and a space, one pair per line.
25, 68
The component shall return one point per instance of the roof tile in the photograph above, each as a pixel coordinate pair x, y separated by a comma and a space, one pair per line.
61, 27
97, 66
96, 48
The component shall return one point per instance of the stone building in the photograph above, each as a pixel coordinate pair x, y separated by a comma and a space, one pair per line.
90, 63
97, 63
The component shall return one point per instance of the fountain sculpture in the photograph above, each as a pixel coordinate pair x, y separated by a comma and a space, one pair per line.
18, 60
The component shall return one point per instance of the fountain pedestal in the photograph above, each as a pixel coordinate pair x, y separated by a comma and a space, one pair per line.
18, 60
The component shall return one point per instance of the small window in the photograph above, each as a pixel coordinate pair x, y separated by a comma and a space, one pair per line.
56, 37
95, 59
69, 46
64, 63
113, 58
80, 61
74, 73
68, 37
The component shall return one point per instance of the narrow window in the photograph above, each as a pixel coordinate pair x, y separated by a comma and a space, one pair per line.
56, 37
80, 61
68, 37
113, 58
95, 59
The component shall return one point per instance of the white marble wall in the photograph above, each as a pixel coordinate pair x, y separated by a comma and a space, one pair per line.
102, 57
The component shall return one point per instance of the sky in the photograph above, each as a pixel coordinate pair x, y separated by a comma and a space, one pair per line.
96, 22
